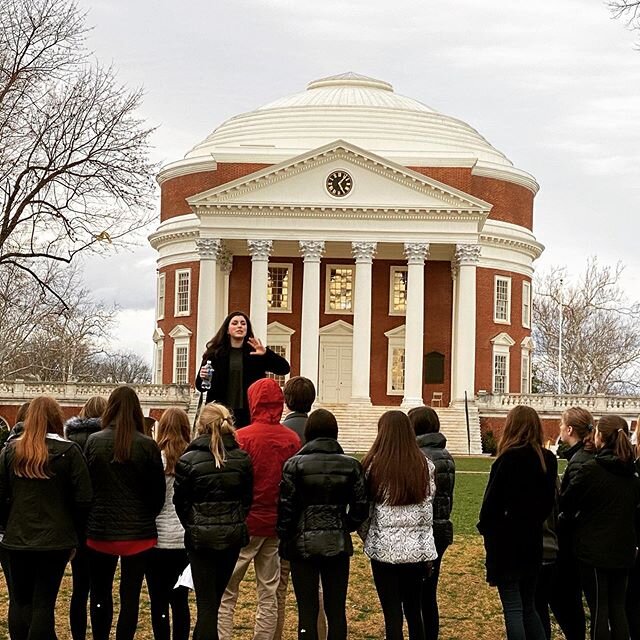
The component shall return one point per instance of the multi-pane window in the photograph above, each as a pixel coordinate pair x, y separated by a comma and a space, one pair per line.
158, 371
181, 368
500, 363
525, 374
183, 292
279, 287
526, 305
162, 281
397, 369
340, 288
281, 350
502, 300
398, 291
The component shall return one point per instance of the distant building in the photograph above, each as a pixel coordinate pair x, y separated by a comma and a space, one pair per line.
384, 248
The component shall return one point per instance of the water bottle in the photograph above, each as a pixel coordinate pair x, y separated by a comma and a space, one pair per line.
206, 382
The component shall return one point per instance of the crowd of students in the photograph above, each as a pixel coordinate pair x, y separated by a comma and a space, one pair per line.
282, 495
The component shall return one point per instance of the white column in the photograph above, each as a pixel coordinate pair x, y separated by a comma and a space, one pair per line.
225, 264
416, 253
455, 268
207, 325
260, 251
311, 251
464, 367
363, 253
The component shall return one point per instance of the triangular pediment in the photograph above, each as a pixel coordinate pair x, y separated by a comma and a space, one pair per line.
376, 184
503, 340
337, 328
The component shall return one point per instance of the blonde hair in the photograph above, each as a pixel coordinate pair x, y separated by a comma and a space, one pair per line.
94, 407
173, 437
216, 420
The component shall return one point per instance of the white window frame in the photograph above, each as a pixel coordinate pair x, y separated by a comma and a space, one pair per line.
526, 304
395, 340
502, 344
392, 271
278, 335
327, 283
497, 320
186, 312
526, 348
289, 267
161, 298
158, 355
181, 339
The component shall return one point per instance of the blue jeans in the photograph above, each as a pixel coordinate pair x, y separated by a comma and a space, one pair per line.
520, 615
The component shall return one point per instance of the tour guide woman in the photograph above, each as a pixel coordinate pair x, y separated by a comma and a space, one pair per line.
238, 360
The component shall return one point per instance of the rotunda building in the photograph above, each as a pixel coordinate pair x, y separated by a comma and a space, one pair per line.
384, 248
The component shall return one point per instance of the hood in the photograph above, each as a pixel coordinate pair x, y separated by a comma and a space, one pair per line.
610, 461
266, 401
432, 440
77, 425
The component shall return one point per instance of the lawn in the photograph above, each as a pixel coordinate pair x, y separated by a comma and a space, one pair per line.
469, 608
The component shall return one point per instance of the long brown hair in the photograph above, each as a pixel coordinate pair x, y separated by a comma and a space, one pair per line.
614, 432
396, 469
216, 421
31, 453
124, 414
93, 408
522, 427
220, 344
581, 421
173, 437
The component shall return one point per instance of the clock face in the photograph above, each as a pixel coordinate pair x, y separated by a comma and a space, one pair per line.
339, 183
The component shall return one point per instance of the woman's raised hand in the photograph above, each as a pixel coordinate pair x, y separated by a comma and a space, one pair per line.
258, 348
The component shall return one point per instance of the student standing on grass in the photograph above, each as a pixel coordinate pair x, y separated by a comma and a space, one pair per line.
212, 496
129, 488
168, 558
603, 496
433, 444
398, 537
238, 360
269, 446
78, 430
518, 499
322, 500
45, 493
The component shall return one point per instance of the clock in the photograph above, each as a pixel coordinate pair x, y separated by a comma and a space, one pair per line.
339, 183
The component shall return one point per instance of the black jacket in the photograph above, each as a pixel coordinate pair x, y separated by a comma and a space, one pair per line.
79, 429
576, 456
433, 445
604, 496
213, 502
518, 499
296, 421
254, 368
322, 499
45, 515
127, 495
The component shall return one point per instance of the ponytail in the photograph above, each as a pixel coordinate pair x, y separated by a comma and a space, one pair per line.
581, 421
216, 420
614, 432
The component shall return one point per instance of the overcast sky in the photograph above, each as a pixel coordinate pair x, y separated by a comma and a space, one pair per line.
554, 84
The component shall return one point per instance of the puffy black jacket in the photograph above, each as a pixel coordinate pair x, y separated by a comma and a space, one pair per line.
604, 497
45, 515
433, 445
213, 502
79, 429
127, 496
322, 499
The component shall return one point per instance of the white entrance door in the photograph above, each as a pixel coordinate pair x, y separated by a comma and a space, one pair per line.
335, 371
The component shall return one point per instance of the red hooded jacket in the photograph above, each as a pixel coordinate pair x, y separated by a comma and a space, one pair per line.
269, 445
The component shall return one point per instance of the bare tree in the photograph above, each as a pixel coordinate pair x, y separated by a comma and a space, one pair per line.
75, 172
627, 10
124, 367
600, 332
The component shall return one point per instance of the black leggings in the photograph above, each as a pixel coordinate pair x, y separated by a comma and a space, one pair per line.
81, 582
430, 613
165, 568
35, 582
633, 600
399, 588
102, 567
605, 591
306, 576
211, 571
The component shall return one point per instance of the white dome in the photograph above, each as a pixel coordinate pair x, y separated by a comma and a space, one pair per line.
360, 110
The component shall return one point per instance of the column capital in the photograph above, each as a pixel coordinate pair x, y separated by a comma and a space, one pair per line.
467, 254
225, 259
260, 250
416, 252
363, 251
208, 248
455, 268
311, 250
